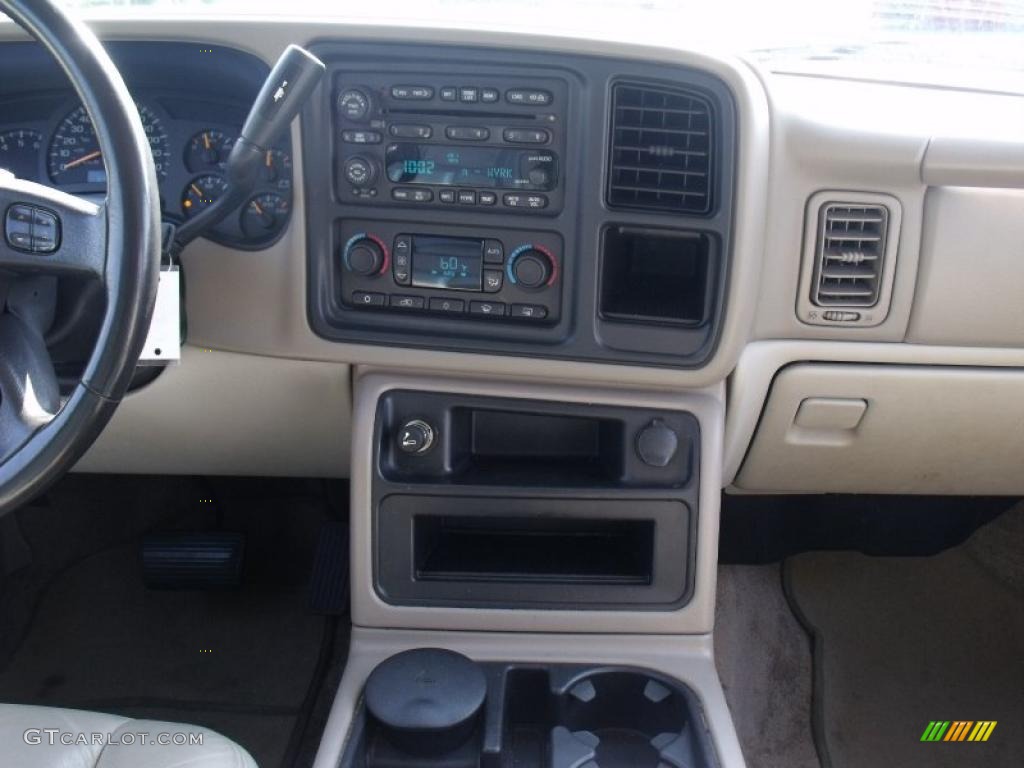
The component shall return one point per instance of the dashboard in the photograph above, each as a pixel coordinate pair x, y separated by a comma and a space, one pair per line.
727, 297
192, 101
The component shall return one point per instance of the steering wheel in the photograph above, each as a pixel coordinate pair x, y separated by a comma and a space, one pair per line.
46, 232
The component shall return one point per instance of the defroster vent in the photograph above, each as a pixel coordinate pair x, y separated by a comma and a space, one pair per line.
661, 149
851, 249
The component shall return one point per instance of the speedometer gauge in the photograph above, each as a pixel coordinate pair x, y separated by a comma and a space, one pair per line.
75, 157
19, 153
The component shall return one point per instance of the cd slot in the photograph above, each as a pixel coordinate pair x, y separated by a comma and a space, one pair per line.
461, 113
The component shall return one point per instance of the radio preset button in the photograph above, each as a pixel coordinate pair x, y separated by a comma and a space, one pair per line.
528, 96
453, 306
408, 302
446, 195
487, 308
467, 197
487, 198
449, 93
493, 279
412, 92
526, 136
529, 311
494, 252
361, 137
367, 299
467, 133
411, 131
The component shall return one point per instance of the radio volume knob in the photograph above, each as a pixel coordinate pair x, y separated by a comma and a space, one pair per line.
365, 256
354, 104
530, 267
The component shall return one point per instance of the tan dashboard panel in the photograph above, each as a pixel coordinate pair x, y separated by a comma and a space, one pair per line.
971, 276
918, 430
218, 413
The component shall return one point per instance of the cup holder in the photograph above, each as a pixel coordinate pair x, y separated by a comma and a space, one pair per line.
436, 709
608, 719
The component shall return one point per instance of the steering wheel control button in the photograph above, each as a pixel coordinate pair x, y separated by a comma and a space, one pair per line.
487, 308
31, 229
656, 444
367, 299
416, 437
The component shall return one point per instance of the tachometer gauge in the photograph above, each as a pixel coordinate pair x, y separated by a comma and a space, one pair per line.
276, 170
264, 215
19, 153
75, 157
201, 193
208, 151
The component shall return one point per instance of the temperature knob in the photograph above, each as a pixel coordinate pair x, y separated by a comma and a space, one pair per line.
531, 267
365, 255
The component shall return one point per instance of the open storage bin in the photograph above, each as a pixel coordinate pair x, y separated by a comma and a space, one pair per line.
492, 715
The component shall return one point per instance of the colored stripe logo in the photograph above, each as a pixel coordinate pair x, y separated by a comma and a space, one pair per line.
958, 730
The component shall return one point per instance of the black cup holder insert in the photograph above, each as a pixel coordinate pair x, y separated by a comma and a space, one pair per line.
528, 716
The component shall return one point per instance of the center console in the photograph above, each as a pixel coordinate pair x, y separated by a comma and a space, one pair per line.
536, 205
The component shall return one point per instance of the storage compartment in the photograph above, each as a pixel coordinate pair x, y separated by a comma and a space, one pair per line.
518, 443
541, 551
834, 428
529, 716
655, 276
510, 445
530, 552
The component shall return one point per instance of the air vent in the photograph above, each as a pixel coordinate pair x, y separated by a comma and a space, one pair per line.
661, 150
850, 255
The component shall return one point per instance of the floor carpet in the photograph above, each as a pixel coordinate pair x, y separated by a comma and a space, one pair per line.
240, 661
901, 641
764, 663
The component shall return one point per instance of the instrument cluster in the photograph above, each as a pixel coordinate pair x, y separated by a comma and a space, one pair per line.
189, 153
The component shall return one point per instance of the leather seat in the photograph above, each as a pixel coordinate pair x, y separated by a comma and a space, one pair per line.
45, 737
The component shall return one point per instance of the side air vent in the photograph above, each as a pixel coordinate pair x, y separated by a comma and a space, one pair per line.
850, 245
661, 149
850, 254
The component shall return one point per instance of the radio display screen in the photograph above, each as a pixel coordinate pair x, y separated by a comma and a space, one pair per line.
455, 263
480, 167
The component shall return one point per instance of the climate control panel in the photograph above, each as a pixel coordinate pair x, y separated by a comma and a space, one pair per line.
503, 275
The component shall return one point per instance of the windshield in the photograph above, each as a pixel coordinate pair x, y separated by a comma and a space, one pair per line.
970, 43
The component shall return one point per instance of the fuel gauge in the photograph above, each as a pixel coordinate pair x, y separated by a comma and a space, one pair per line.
201, 193
264, 215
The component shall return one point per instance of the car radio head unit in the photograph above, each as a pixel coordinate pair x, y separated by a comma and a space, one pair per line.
478, 167
419, 140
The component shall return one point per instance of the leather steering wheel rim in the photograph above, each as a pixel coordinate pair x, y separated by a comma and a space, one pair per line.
130, 259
